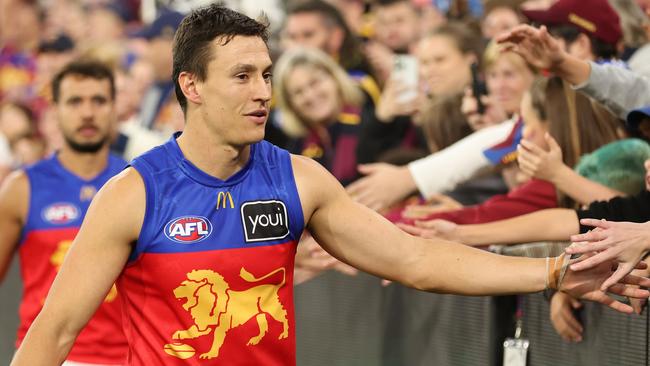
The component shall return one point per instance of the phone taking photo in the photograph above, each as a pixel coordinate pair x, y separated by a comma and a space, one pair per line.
478, 88
405, 71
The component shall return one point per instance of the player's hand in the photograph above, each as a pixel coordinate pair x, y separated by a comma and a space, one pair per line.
535, 45
623, 242
435, 204
383, 185
539, 163
586, 284
563, 319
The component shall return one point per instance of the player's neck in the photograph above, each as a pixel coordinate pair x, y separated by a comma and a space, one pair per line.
211, 154
84, 165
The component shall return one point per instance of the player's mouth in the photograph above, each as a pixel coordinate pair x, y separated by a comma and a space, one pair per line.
88, 130
258, 116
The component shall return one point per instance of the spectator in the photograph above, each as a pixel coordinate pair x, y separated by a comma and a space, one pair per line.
444, 59
159, 106
320, 108
545, 110
396, 31
499, 19
587, 32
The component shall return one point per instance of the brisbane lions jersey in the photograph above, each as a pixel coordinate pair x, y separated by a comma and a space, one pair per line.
58, 201
210, 279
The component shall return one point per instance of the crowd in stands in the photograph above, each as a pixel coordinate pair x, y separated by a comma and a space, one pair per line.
475, 121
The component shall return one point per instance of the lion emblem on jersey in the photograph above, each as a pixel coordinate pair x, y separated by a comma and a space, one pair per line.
216, 308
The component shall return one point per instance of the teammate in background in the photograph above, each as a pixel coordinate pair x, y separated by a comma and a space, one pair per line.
204, 278
43, 206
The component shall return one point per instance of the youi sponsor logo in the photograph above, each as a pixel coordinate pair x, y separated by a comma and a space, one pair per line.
264, 220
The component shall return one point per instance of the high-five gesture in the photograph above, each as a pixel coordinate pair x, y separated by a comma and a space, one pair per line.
624, 242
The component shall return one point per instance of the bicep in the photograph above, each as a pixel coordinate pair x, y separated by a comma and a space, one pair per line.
349, 231
99, 252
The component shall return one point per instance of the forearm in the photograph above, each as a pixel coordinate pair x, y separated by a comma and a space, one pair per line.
618, 89
572, 69
447, 267
445, 169
545, 225
44, 345
581, 189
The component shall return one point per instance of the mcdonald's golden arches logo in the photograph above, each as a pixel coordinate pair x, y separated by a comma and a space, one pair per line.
224, 199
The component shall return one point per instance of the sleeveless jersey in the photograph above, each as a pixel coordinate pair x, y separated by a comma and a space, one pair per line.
58, 202
210, 279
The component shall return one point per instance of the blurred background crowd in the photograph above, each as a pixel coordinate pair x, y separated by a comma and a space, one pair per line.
412, 104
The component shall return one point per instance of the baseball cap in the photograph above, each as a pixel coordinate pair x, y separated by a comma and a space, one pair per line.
506, 151
164, 25
595, 17
635, 117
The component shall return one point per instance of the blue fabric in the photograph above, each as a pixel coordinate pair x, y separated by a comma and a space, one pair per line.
178, 190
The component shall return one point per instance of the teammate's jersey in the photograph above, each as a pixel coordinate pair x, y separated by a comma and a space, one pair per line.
58, 202
210, 280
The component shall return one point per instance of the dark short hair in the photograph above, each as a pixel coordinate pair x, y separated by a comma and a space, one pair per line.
569, 33
88, 68
466, 39
191, 49
379, 3
350, 56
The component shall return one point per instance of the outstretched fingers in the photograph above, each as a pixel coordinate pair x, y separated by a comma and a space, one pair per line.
586, 262
629, 291
610, 302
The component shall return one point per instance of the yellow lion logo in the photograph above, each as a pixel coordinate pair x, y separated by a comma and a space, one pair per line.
211, 303
57, 261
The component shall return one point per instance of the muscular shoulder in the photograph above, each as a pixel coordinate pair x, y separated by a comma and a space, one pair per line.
316, 186
14, 195
121, 202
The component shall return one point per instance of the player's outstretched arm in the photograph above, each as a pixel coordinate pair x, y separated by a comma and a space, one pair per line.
14, 201
95, 260
364, 239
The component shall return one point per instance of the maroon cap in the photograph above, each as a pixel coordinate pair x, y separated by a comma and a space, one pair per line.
594, 16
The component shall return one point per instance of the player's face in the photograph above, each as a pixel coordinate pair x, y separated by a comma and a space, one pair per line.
314, 95
85, 112
236, 92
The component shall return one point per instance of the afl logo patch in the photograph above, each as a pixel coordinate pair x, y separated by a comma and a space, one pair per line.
264, 220
61, 213
188, 229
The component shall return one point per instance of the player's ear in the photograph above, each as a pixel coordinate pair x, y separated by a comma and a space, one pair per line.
190, 87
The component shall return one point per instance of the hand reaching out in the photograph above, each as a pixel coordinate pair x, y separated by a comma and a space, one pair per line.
539, 163
435, 204
383, 185
535, 45
586, 284
623, 242
311, 260
563, 319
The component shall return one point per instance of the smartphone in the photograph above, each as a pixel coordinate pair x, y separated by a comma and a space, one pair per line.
478, 88
405, 70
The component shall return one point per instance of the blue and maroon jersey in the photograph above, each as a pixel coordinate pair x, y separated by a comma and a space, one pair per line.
210, 279
58, 202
